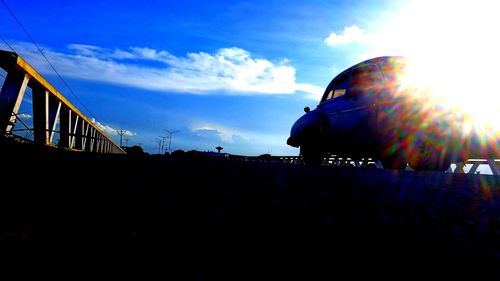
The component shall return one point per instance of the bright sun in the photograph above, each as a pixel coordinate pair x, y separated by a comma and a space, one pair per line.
454, 47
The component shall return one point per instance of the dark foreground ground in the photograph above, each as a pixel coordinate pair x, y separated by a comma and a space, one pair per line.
201, 219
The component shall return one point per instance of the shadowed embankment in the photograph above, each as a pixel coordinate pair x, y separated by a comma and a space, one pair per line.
203, 219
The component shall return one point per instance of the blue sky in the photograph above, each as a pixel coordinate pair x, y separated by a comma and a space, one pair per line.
229, 73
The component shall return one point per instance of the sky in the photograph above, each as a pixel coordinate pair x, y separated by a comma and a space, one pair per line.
235, 73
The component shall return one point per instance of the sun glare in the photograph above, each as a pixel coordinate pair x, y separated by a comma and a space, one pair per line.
453, 48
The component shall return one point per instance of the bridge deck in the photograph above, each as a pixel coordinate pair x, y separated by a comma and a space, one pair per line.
236, 220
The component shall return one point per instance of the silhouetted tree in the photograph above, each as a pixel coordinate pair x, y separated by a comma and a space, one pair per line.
192, 154
265, 157
178, 153
134, 150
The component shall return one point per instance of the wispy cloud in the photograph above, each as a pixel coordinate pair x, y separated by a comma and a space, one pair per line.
350, 34
231, 71
24, 116
110, 130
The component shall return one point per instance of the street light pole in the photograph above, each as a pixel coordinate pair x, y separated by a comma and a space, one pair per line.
159, 144
163, 144
170, 133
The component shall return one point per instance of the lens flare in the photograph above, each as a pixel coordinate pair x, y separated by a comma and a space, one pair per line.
453, 57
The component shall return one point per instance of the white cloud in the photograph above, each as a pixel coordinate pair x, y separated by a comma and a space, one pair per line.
225, 134
240, 141
231, 135
110, 130
314, 92
351, 34
24, 116
228, 70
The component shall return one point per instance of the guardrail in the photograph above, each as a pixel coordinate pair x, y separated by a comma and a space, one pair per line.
76, 131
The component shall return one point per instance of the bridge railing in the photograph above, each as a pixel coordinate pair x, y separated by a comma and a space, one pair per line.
76, 131
471, 166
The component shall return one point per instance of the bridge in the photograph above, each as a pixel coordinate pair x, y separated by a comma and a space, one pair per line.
50, 108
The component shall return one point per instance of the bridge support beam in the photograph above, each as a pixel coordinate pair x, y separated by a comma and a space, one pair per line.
64, 127
85, 138
46, 112
91, 139
40, 116
473, 169
11, 96
68, 127
76, 142
54, 109
459, 168
493, 167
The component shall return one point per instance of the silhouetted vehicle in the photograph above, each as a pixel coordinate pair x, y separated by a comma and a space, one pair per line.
365, 112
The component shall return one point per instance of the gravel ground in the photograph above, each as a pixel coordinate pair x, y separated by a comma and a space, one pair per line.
202, 219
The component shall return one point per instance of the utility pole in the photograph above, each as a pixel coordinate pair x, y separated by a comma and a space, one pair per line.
165, 142
159, 141
162, 144
126, 142
121, 133
170, 133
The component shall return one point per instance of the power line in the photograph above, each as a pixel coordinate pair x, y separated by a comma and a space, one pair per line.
41, 52
7, 43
